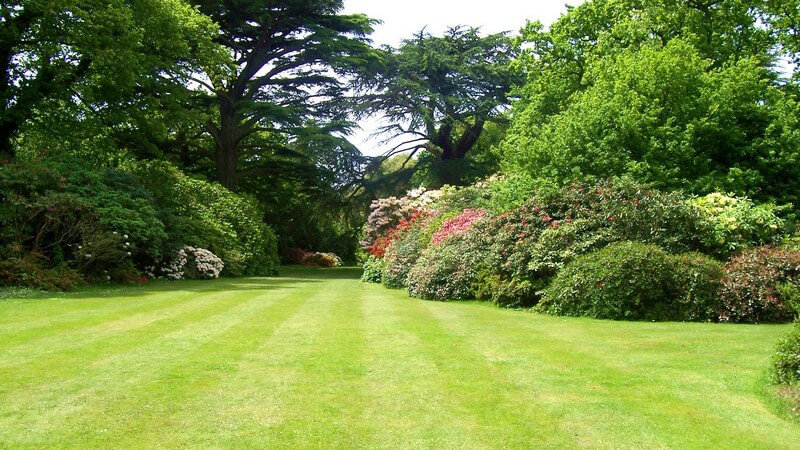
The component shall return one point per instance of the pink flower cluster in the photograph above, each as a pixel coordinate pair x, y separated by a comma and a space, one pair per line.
458, 224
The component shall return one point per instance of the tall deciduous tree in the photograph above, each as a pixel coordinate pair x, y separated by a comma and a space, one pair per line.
438, 93
92, 53
289, 58
680, 94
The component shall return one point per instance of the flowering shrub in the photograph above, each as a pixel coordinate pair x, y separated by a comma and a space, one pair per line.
760, 285
322, 260
373, 267
421, 198
737, 223
786, 362
457, 225
634, 281
401, 254
189, 262
449, 271
381, 244
531, 243
385, 214
202, 264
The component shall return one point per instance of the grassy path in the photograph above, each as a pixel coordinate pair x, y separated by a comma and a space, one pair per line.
317, 359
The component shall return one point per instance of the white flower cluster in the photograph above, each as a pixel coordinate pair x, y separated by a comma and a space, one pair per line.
203, 264
174, 270
189, 262
420, 198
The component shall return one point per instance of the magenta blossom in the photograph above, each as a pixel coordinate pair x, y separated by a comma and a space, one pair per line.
458, 224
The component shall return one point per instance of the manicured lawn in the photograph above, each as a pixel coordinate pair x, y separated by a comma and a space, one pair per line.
317, 359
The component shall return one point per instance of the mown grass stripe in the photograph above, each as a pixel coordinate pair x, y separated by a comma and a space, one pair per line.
647, 415
75, 377
472, 390
59, 324
187, 373
323, 407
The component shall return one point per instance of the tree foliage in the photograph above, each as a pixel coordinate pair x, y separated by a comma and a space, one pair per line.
97, 61
439, 93
678, 94
287, 63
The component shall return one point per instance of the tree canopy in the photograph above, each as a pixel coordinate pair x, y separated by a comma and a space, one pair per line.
684, 95
287, 63
438, 93
94, 58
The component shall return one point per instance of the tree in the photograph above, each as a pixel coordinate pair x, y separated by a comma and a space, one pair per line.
92, 55
783, 17
650, 90
288, 60
440, 92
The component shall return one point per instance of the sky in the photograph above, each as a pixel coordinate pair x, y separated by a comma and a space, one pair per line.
402, 18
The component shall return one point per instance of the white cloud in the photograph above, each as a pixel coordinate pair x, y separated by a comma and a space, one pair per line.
401, 19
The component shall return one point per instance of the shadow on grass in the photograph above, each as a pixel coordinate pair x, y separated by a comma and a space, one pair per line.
320, 273
289, 276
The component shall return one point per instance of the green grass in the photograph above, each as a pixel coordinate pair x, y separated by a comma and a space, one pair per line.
317, 359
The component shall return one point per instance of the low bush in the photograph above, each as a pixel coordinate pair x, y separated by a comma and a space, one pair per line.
189, 262
759, 285
449, 270
401, 254
206, 215
373, 267
634, 281
31, 271
322, 260
785, 368
699, 280
737, 223
294, 255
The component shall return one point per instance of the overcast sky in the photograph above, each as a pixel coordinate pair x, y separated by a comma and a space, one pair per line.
402, 18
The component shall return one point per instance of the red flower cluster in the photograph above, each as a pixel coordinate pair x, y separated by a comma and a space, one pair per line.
458, 224
378, 249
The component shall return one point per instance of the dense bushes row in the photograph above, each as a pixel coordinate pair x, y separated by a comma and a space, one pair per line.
65, 222
616, 250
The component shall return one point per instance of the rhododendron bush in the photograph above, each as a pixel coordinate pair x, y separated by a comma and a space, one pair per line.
448, 246
457, 225
67, 222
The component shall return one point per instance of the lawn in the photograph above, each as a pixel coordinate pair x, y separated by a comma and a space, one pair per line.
317, 359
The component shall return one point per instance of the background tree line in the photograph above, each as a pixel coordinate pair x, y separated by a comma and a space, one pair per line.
260, 97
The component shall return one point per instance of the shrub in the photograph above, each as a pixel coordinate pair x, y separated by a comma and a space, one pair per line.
64, 210
633, 281
382, 243
457, 225
202, 264
203, 214
400, 256
372, 270
294, 255
449, 271
534, 241
189, 262
699, 279
30, 271
385, 214
752, 289
322, 260
738, 223
785, 368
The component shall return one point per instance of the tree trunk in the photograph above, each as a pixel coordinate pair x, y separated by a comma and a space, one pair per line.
7, 131
227, 142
